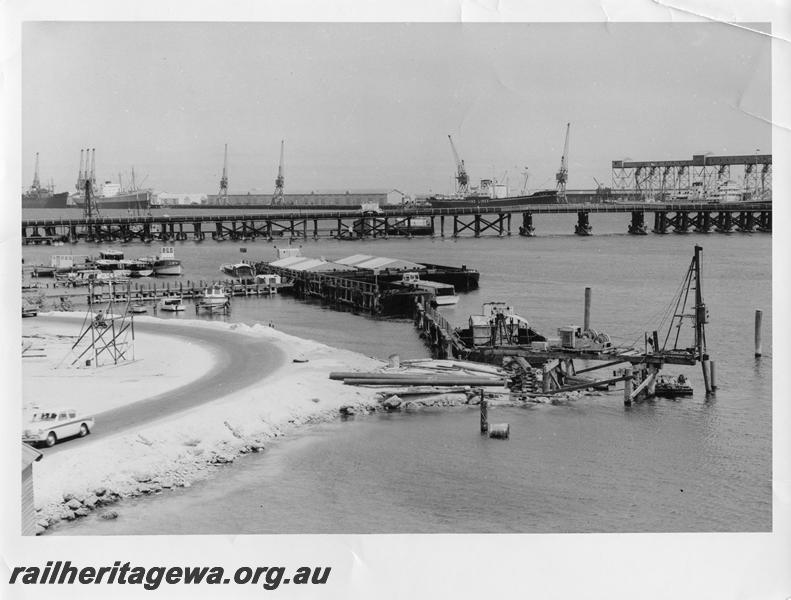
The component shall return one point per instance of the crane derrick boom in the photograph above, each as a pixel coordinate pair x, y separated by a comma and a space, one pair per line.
563, 174
280, 180
462, 179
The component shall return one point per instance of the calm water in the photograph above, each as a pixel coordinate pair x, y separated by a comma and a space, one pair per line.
688, 465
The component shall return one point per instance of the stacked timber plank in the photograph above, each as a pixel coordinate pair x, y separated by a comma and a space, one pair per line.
432, 373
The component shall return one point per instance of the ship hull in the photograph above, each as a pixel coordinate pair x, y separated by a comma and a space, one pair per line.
167, 267
544, 197
45, 200
137, 200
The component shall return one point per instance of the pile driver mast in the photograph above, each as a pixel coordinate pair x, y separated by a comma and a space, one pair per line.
277, 197
563, 174
462, 180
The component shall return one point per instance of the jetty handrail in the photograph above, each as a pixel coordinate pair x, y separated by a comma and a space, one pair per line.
441, 321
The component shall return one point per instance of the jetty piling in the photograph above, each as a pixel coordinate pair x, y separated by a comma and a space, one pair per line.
350, 224
587, 317
705, 366
758, 318
484, 415
627, 386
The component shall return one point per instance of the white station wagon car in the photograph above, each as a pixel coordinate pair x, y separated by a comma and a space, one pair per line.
49, 427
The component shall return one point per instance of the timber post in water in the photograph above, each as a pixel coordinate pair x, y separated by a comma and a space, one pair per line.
758, 317
484, 415
587, 319
627, 386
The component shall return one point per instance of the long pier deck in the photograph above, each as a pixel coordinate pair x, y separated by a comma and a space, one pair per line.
347, 224
148, 292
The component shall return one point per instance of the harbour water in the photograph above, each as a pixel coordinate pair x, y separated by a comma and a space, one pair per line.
695, 464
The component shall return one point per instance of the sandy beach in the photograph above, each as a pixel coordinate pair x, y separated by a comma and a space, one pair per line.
224, 414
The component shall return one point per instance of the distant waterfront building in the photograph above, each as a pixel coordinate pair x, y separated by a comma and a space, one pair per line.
347, 199
179, 199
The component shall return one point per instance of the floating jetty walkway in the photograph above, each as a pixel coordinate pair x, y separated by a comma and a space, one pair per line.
347, 224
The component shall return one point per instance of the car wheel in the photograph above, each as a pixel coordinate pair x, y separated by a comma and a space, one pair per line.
51, 440
84, 430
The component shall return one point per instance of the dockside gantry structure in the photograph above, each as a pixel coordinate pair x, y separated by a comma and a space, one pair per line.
224, 179
462, 179
665, 180
562, 175
280, 180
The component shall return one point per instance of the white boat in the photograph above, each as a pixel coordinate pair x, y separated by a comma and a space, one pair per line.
137, 267
444, 293
111, 254
214, 296
137, 309
171, 304
166, 262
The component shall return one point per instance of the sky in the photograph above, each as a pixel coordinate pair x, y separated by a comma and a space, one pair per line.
369, 106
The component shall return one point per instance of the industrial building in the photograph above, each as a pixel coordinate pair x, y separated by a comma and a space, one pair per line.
704, 177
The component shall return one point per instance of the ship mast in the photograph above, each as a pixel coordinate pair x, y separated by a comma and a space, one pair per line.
277, 197
224, 179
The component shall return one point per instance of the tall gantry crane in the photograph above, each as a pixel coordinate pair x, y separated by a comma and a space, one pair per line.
36, 184
92, 176
81, 175
224, 179
563, 174
462, 180
277, 197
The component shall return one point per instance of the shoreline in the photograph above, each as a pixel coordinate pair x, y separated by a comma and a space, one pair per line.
179, 449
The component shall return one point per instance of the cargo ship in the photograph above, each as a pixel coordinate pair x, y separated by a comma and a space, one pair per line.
43, 197
111, 196
479, 200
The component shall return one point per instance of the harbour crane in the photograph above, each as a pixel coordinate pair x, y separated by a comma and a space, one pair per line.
80, 175
36, 184
93, 168
277, 197
224, 179
563, 174
462, 180
525, 177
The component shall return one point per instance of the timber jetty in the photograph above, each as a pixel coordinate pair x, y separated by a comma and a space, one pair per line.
345, 224
500, 337
364, 283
